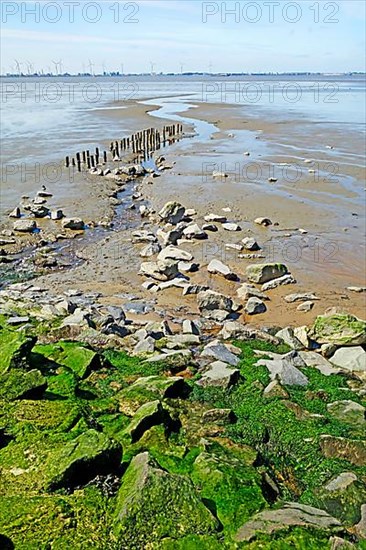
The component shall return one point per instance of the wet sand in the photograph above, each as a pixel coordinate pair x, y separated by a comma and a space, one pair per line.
325, 261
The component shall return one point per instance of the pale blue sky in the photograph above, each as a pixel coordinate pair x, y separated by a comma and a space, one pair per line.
324, 36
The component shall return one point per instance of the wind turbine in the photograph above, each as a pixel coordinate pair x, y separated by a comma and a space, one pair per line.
55, 63
91, 68
122, 68
104, 69
30, 68
181, 67
18, 67
152, 65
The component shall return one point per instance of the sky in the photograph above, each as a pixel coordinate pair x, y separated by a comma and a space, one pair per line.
183, 35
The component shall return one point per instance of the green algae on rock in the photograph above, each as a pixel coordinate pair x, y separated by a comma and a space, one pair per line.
339, 329
15, 349
20, 384
79, 359
153, 504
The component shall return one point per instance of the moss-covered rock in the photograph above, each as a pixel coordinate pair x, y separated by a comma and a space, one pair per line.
228, 487
343, 497
153, 504
262, 273
15, 349
349, 412
20, 384
146, 416
80, 460
353, 450
339, 329
79, 359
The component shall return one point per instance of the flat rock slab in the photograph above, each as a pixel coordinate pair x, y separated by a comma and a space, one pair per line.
221, 353
351, 359
353, 450
219, 374
287, 373
175, 253
217, 267
348, 411
313, 359
291, 515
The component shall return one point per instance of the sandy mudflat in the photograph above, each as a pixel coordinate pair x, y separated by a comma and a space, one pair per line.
328, 204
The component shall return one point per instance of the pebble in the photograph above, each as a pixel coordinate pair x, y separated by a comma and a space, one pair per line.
263, 221
231, 227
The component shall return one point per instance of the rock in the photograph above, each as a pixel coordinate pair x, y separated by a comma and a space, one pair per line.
247, 291
217, 267
262, 273
274, 389
117, 313
300, 297
148, 415
291, 515
336, 543
150, 250
210, 227
221, 353
190, 212
188, 267
219, 175
219, 374
57, 215
285, 280
343, 497
233, 330
194, 289
231, 227
215, 218
19, 384
78, 318
339, 329
352, 450
178, 282
15, 213
25, 226
190, 327
143, 237
287, 335
222, 417
209, 301
194, 232
15, 350
79, 460
158, 387
14, 321
360, 528
255, 306
175, 253
263, 221
158, 329
79, 359
358, 289
172, 212
178, 341
305, 306
170, 237
152, 504
145, 346
313, 359
352, 359
44, 193
348, 412
232, 246
285, 371
76, 224
39, 211
163, 270
250, 244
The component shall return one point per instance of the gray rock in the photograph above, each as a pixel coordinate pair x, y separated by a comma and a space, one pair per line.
285, 371
215, 218
170, 237
150, 250
262, 273
337, 543
177, 282
172, 212
25, 226
182, 340
57, 215
285, 280
190, 327
188, 267
231, 227
15, 213
210, 227
250, 244
219, 374
143, 237
162, 270
194, 289
313, 359
287, 335
218, 268
194, 232
210, 301
221, 353
75, 224
39, 211
291, 515
263, 221
175, 253
235, 330
255, 306
145, 346
274, 389
17, 320
361, 525
305, 306
233, 246
300, 297
117, 313
247, 291
351, 358
221, 417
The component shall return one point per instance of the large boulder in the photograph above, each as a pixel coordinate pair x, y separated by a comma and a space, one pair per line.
18, 384
15, 349
339, 329
148, 415
81, 459
162, 270
262, 273
211, 301
343, 496
77, 358
153, 504
219, 374
25, 226
291, 515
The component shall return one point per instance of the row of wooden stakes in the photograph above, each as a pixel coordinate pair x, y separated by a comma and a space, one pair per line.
142, 144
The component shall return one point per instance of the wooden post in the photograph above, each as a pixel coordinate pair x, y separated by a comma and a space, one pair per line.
92, 161
104, 156
97, 155
67, 162
84, 157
